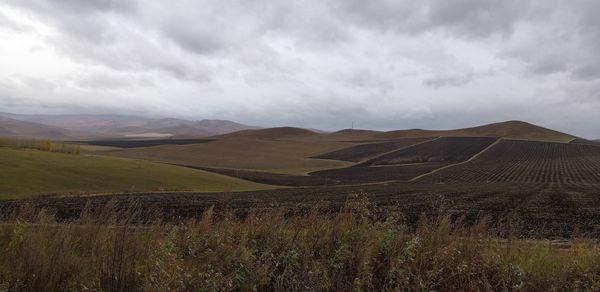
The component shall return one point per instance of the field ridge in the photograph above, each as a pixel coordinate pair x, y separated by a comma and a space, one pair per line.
459, 163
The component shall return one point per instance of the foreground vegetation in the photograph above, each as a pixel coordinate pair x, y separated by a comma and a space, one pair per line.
121, 250
25, 172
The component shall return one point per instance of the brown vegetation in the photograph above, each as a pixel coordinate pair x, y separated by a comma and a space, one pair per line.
114, 249
42, 145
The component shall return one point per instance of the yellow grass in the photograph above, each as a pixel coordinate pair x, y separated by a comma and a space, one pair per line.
281, 156
33, 172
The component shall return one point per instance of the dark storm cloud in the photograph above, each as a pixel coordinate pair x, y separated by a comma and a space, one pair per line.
322, 64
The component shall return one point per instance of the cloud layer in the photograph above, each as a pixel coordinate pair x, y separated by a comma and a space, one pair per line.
323, 64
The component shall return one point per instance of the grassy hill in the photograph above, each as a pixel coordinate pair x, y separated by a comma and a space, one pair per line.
509, 129
280, 156
32, 172
353, 135
272, 134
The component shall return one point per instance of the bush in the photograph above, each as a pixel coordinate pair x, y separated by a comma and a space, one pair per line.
42, 145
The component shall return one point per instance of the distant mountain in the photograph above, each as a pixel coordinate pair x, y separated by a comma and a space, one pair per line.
15, 128
204, 128
115, 126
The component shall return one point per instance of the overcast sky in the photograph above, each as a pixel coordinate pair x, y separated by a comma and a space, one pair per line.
321, 64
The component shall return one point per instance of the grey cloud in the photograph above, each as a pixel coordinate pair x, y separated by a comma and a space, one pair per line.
318, 64
564, 39
477, 18
447, 80
468, 18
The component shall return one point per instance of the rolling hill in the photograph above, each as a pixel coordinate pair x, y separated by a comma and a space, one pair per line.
32, 172
240, 152
509, 129
272, 134
290, 150
353, 135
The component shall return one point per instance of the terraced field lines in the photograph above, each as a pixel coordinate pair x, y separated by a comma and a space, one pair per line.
460, 163
399, 149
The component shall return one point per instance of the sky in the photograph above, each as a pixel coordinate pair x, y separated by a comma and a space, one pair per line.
390, 64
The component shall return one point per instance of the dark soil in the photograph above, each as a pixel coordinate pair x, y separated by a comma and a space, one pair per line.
529, 162
544, 210
445, 149
277, 179
361, 152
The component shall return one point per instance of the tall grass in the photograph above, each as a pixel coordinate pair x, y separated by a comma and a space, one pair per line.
115, 249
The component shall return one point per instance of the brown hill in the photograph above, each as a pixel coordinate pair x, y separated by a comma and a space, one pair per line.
272, 134
14, 128
509, 129
353, 135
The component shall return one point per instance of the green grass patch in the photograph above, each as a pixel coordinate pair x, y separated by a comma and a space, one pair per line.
31, 172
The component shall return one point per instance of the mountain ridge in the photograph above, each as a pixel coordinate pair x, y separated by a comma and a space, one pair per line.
123, 126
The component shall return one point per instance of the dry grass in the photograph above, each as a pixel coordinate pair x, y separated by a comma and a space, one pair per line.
509, 129
110, 250
280, 156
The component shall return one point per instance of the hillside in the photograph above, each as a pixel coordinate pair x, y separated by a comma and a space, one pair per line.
280, 156
271, 134
509, 129
14, 128
353, 135
31, 172
132, 126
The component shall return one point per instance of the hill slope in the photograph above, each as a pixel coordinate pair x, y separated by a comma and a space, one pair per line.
353, 135
31, 172
272, 134
509, 129
280, 156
